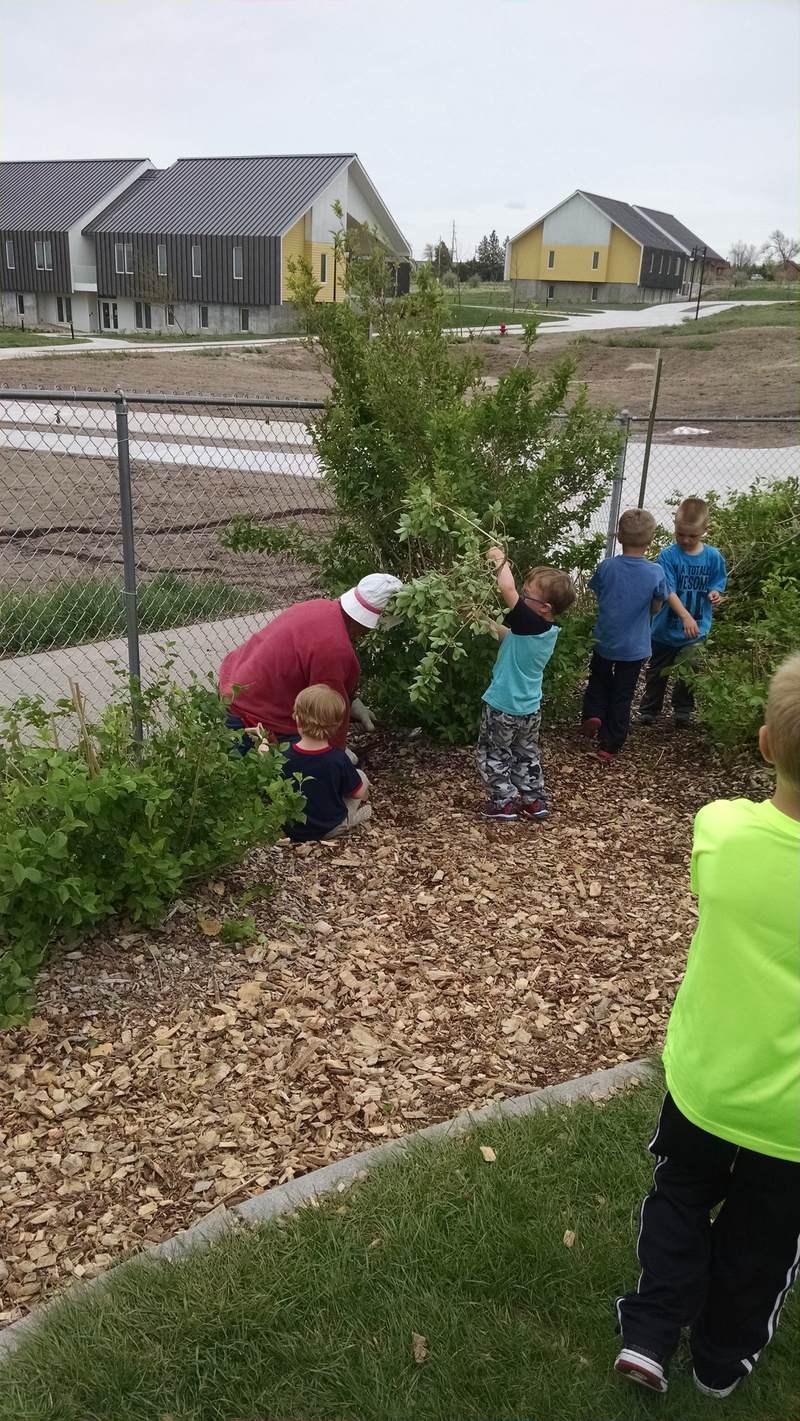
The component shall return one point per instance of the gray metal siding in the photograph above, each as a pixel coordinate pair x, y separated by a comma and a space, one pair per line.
260, 284
55, 195
631, 221
660, 279
24, 275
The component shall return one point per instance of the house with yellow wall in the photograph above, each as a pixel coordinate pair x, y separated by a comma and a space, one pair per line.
592, 248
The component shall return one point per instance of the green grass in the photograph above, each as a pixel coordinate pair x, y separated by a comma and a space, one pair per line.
176, 337
691, 334
313, 1320
753, 291
11, 337
72, 613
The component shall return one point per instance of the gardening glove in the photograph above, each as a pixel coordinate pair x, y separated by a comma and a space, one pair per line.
360, 712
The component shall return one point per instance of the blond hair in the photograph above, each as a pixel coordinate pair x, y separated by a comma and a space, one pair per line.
637, 528
783, 718
319, 711
555, 585
694, 512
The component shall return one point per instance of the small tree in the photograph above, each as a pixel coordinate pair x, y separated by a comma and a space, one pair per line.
743, 255
490, 256
154, 289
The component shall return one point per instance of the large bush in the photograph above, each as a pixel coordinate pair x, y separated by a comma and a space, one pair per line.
428, 465
117, 825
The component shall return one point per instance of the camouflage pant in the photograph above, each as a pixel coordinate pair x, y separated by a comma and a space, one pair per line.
508, 756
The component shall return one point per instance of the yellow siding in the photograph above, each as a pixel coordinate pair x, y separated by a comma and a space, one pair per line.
313, 252
292, 247
525, 255
572, 264
624, 256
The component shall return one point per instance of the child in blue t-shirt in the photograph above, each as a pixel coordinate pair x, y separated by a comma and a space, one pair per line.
508, 740
628, 590
696, 576
335, 791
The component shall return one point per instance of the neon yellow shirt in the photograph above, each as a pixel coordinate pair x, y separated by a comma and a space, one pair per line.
732, 1053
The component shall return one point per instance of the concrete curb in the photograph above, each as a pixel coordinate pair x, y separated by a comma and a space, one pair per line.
286, 1197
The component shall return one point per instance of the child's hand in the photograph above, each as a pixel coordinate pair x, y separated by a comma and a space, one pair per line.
715, 598
496, 557
690, 628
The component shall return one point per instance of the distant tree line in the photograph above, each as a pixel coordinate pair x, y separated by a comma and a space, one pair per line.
487, 264
769, 259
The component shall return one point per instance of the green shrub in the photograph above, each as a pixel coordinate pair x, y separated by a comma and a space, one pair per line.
117, 825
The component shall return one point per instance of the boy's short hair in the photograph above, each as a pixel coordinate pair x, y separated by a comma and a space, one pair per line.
783, 718
694, 512
637, 528
319, 711
556, 585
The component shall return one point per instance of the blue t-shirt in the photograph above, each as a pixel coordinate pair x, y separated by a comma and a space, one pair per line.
692, 576
516, 686
625, 586
328, 777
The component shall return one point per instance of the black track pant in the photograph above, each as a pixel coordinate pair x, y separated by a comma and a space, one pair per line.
662, 660
609, 696
726, 1280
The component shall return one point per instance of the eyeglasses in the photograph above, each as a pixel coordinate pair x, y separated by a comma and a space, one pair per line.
538, 601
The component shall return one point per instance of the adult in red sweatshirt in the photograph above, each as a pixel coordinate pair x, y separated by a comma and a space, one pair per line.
309, 644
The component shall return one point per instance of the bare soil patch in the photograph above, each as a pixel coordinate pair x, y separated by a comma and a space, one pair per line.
428, 964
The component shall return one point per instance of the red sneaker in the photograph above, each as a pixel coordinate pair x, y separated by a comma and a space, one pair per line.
537, 809
608, 756
490, 810
590, 727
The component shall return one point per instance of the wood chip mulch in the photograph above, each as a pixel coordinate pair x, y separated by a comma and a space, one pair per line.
429, 963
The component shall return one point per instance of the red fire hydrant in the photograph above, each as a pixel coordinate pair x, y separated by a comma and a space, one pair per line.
502, 330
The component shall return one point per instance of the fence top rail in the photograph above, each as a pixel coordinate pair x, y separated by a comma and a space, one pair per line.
718, 418
116, 397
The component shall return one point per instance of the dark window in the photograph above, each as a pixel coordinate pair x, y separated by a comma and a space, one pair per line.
148, 316
551, 259
660, 262
169, 312
677, 266
551, 291
244, 319
197, 264
237, 264
595, 260
60, 308
594, 293
323, 268
162, 259
114, 316
129, 258
204, 317
110, 316
10, 255
68, 308
143, 315
652, 261
119, 258
44, 256
21, 305
137, 315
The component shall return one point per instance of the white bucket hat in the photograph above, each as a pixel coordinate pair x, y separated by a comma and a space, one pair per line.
365, 602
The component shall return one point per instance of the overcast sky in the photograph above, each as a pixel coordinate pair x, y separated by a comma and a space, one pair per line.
482, 112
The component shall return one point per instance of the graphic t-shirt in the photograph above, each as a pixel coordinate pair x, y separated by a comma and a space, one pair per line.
625, 586
516, 685
692, 576
328, 777
732, 1053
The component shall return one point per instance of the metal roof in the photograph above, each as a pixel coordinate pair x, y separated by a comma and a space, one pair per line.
53, 195
257, 197
631, 220
676, 230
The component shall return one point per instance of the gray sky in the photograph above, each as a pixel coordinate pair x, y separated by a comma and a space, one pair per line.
482, 112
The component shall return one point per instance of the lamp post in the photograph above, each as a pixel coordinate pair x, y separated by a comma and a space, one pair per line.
695, 254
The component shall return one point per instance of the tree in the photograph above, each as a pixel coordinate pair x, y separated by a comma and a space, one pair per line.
743, 255
439, 258
780, 248
154, 289
490, 257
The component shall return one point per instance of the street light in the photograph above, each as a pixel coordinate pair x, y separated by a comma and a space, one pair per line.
695, 252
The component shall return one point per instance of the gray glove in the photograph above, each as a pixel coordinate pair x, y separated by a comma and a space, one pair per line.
359, 711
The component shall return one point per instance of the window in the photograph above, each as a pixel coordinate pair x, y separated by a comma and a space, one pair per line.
204, 317
169, 312
551, 291
595, 260
237, 264
677, 266
10, 255
323, 268
197, 265
129, 258
60, 307
652, 261
660, 262
20, 305
143, 315
110, 316
594, 293
162, 259
123, 258
244, 319
137, 315
44, 256
551, 259
68, 308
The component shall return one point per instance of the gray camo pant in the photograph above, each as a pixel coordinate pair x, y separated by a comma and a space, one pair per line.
508, 756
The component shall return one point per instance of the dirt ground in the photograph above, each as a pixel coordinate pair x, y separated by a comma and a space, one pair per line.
430, 963
748, 372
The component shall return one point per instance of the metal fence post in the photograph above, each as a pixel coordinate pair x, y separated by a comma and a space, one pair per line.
648, 443
128, 557
616, 487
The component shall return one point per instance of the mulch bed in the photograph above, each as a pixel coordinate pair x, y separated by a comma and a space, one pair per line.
428, 964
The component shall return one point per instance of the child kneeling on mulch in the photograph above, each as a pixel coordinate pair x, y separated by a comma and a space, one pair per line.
335, 791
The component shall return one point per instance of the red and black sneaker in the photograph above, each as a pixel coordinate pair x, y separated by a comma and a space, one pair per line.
608, 756
491, 810
590, 727
642, 1366
537, 809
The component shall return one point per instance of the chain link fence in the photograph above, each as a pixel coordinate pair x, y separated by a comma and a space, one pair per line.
114, 509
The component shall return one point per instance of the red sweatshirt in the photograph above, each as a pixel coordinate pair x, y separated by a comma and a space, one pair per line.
307, 645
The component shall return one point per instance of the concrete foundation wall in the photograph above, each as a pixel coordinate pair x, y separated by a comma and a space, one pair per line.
581, 292
12, 317
223, 319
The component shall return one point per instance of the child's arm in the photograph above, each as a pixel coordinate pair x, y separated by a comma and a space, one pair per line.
655, 606
714, 597
505, 577
690, 627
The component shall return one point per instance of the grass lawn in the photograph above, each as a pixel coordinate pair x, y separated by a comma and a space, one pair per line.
314, 1319
753, 291
11, 337
72, 613
693, 335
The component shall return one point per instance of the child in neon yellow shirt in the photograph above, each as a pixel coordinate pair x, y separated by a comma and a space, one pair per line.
729, 1130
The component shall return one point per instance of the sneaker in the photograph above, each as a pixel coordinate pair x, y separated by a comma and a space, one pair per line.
491, 810
718, 1391
590, 727
537, 809
642, 718
608, 756
683, 722
646, 1368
